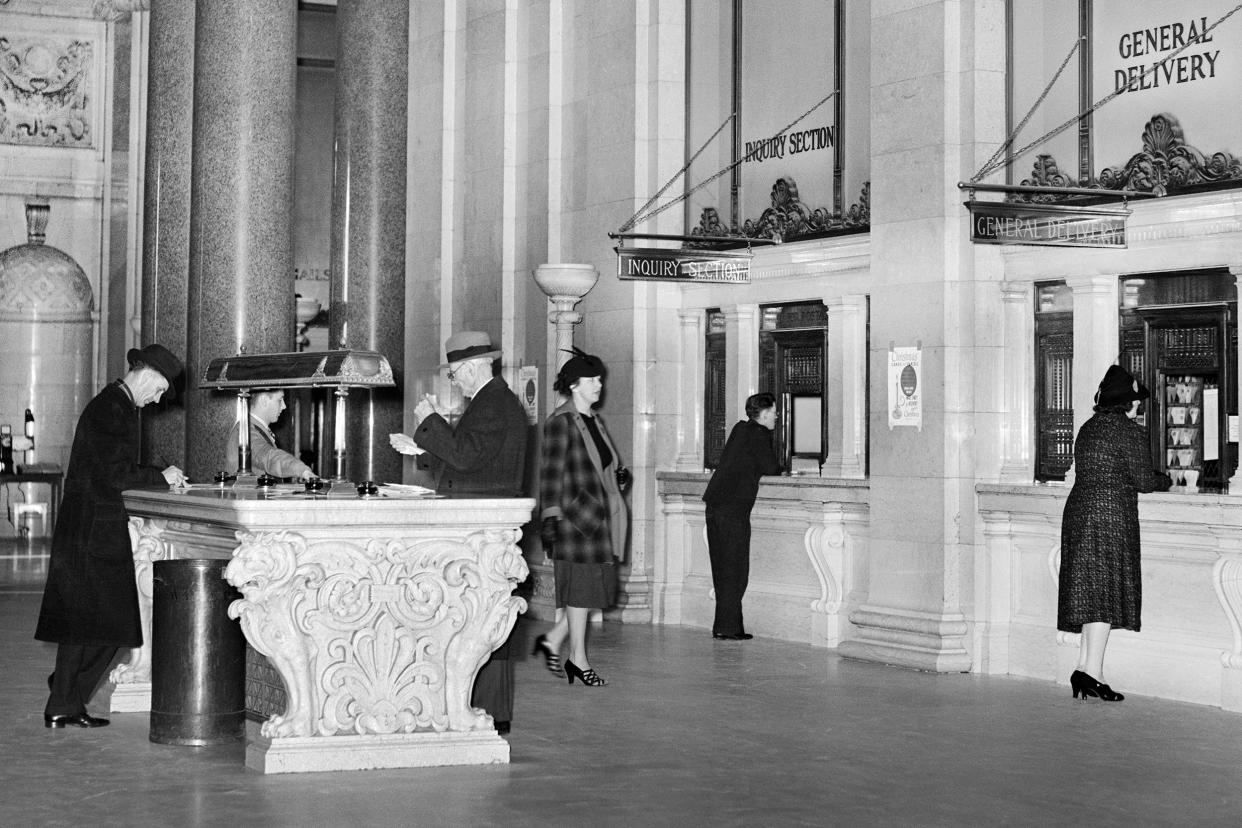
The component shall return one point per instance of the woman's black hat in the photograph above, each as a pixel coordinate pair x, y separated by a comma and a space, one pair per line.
580, 365
1119, 387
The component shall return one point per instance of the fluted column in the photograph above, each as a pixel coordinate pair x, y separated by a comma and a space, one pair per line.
166, 208
690, 397
368, 217
847, 387
241, 249
1017, 443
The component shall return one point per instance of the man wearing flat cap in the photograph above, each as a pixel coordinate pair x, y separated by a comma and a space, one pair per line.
483, 456
90, 601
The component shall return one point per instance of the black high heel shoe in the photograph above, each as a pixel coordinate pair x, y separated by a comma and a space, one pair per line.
588, 677
550, 657
1082, 683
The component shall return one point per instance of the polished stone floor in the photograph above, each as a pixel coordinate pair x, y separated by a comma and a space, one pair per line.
689, 732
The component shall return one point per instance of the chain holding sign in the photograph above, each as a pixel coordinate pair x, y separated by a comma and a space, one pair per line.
905, 395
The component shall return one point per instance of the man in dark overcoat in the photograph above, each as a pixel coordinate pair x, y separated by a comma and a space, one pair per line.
90, 601
484, 455
730, 496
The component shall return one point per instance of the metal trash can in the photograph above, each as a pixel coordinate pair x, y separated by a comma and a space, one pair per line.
198, 655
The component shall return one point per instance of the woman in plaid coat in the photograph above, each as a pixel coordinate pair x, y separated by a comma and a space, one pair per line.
585, 520
1100, 583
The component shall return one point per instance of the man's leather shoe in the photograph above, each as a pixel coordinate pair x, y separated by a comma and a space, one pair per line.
733, 636
503, 727
80, 720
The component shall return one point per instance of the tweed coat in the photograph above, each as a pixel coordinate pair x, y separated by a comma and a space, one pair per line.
485, 454
575, 487
91, 597
265, 456
1100, 578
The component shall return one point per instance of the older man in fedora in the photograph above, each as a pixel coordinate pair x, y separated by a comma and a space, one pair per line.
484, 455
90, 601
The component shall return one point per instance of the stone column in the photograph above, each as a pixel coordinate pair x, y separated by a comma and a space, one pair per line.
368, 218
690, 400
742, 363
1096, 342
847, 387
166, 211
565, 286
1017, 442
241, 251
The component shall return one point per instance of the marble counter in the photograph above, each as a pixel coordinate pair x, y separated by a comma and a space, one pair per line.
377, 613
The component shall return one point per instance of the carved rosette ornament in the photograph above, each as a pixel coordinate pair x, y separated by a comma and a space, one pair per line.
377, 639
1165, 162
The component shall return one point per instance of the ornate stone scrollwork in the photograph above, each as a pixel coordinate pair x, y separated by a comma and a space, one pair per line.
46, 91
146, 539
1165, 161
788, 217
380, 639
1227, 580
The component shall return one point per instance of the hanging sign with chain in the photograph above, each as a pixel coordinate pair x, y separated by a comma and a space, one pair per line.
998, 222
670, 265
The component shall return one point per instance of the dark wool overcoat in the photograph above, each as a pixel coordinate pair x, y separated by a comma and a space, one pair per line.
1100, 577
91, 596
747, 456
575, 487
485, 453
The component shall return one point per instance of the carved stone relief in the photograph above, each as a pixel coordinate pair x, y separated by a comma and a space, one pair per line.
47, 90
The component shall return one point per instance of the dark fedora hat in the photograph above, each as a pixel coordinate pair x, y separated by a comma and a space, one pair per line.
466, 345
159, 358
1119, 387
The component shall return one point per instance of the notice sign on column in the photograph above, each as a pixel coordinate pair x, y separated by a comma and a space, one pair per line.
905, 393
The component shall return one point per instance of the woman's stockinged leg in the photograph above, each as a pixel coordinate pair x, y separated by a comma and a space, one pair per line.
1091, 649
577, 618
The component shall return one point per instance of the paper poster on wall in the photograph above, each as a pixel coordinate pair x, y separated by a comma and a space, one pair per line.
528, 391
905, 393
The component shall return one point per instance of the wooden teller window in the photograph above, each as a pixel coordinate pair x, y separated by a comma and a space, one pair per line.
793, 365
1179, 334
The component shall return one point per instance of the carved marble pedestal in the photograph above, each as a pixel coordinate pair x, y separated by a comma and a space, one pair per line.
376, 613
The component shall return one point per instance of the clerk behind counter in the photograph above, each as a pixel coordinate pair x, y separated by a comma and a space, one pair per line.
265, 456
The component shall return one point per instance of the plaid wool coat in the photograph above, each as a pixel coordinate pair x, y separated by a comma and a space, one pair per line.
577, 489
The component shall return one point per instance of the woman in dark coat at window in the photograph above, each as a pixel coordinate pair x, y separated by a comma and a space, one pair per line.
1100, 583
584, 516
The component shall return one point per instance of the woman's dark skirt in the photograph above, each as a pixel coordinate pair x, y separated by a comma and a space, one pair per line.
589, 585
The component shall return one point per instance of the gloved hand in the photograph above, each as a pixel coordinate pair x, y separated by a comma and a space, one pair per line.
624, 478
550, 531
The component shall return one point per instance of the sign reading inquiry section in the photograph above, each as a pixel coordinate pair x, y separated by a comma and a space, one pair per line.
996, 222
664, 265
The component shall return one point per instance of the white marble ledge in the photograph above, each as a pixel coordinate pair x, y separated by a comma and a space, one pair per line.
777, 487
1174, 506
257, 512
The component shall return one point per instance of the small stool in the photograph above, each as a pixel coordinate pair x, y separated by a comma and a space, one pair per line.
22, 509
